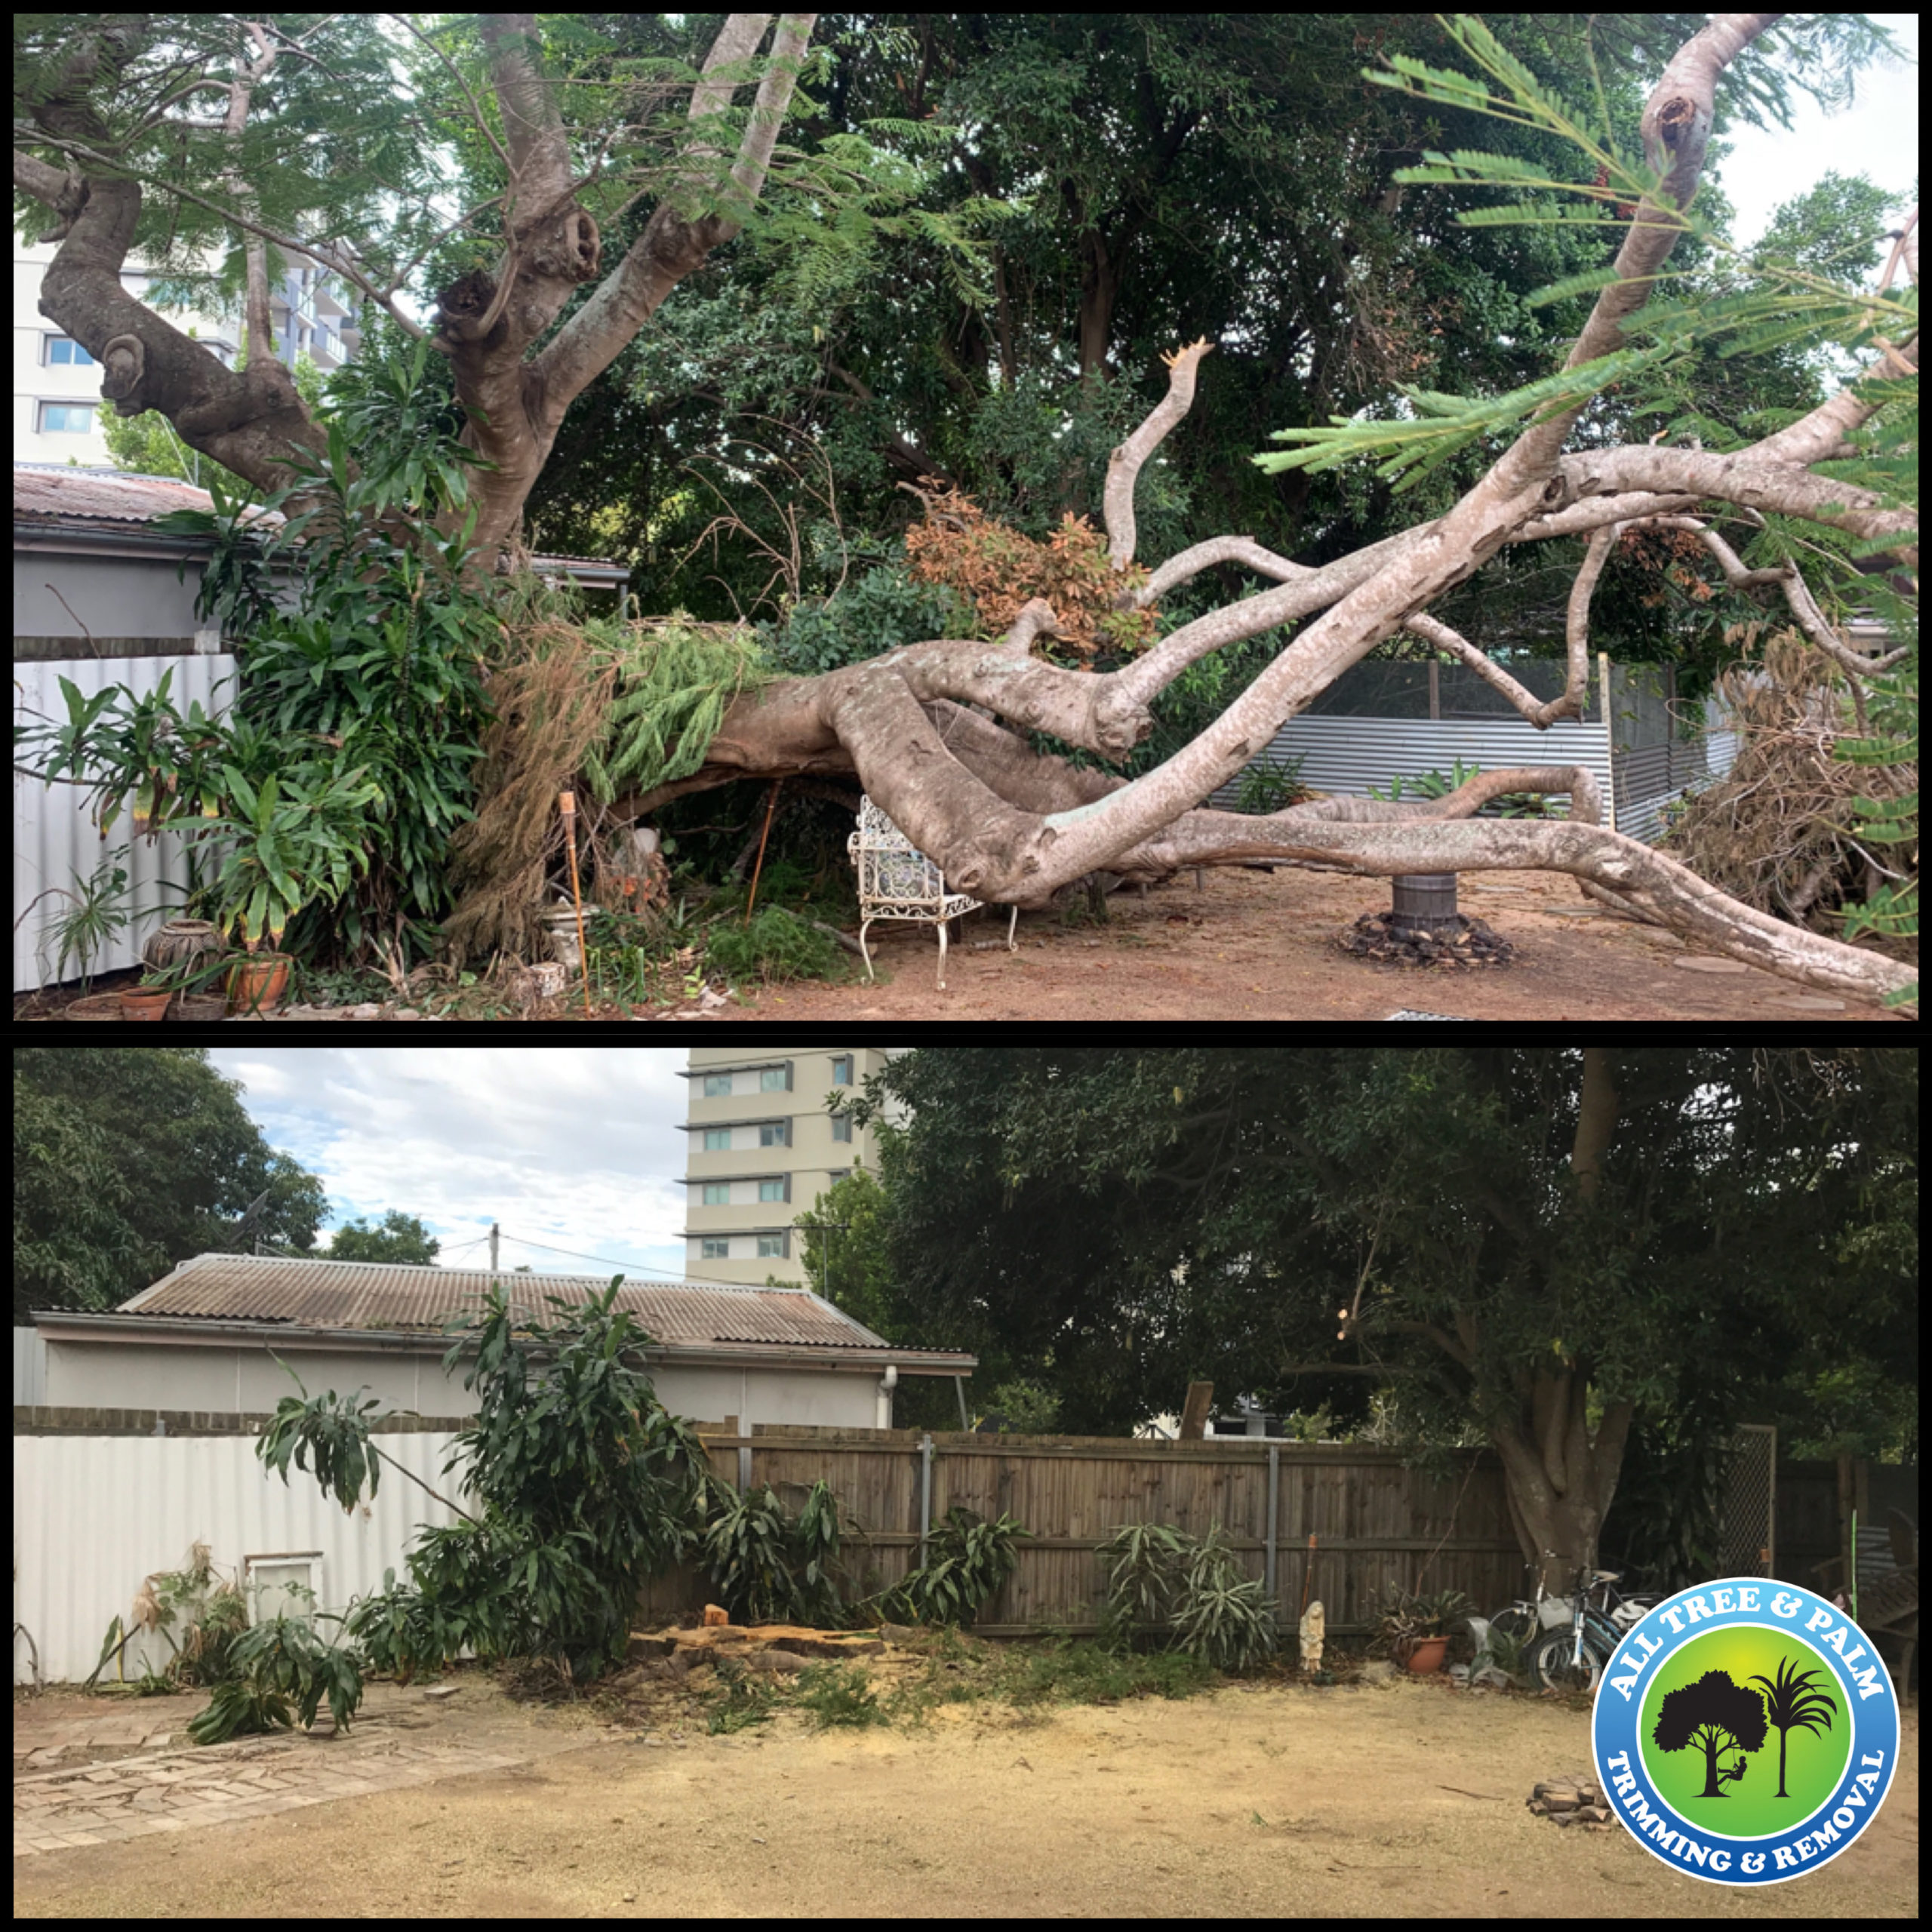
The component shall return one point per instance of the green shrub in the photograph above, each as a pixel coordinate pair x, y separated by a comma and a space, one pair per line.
1161, 1579
1067, 1670
776, 946
967, 1559
838, 1694
283, 1671
875, 613
744, 1701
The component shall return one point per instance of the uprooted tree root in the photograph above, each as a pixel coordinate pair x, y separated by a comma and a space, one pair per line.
1777, 832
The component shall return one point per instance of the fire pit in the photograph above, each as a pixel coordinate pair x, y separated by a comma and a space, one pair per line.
1423, 928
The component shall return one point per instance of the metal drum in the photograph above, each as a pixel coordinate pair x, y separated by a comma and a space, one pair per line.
1425, 901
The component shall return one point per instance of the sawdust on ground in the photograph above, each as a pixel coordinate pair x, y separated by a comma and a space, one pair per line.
1403, 1799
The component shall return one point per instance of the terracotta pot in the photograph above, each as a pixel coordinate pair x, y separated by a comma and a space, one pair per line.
1423, 1656
146, 1002
257, 984
180, 941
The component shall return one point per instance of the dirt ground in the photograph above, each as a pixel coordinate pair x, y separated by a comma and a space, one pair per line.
1402, 1798
1260, 945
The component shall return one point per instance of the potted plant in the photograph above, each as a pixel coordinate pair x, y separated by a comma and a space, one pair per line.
95, 914
1416, 1627
257, 982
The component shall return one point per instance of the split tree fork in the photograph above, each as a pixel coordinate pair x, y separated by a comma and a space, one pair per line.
936, 731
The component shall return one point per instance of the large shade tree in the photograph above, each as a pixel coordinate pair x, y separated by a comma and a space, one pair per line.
1536, 1244
286, 135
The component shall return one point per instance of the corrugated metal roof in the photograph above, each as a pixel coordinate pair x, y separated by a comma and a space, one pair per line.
101, 495
362, 1294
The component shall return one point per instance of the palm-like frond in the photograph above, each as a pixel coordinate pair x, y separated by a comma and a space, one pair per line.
1791, 1703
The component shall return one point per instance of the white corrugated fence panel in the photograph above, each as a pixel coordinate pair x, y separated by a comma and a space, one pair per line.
29, 1367
1350, 754
93, 1514
54, 838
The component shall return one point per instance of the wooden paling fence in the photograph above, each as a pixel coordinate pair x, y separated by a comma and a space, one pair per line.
1377, 1524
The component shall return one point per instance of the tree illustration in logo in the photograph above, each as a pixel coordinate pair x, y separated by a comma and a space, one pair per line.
1713, 1715
1792, 1705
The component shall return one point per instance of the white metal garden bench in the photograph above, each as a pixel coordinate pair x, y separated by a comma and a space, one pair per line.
896, 881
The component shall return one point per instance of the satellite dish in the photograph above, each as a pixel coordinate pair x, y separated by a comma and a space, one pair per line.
249, 1213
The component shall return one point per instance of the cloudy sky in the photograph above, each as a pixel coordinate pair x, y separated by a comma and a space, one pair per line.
1876, 136
569, 1148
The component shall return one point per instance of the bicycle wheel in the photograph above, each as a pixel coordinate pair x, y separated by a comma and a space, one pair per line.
1518, 1623
1555, 1664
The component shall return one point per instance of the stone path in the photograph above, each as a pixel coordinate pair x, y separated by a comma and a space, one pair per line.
163, 1790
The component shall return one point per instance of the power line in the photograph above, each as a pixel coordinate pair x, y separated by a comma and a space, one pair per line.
629, 1267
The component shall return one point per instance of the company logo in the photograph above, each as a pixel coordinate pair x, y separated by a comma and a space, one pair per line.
1745, 1731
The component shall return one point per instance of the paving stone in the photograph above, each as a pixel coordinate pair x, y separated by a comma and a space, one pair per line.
45, 1758
48, 1844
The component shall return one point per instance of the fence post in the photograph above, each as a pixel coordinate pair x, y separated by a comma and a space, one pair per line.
1274, 1491
925, 1493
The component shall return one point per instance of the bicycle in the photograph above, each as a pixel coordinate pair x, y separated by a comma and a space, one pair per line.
1572, 1656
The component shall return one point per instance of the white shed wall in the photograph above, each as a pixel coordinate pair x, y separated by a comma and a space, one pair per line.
94, 1514
246, 1380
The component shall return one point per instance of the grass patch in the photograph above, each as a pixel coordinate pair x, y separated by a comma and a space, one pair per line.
1077, 1670
744, 1701
838, 1694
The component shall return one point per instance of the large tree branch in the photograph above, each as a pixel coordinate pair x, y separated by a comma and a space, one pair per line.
1123, 465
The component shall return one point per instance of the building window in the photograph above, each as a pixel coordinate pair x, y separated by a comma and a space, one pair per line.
779, 1190
770, 1244
717, 1250
775, 1079
841, 1127
715, 1083
841, 1069
65, 348
717, 1139
775, 1133
717, 1193
77, 416
838, 1174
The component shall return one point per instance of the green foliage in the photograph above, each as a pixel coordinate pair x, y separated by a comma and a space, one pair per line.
968, 1558
326, 800
777, 946
1271, 788
280, 1666
867, 616
95, 913
744, 1700
1434, 784
838, 1695
1190, 1588
1060, 1670
128, 1160
747, 1552
675, 680
585, 1486
328, 1434
399, 1237
1028, 1406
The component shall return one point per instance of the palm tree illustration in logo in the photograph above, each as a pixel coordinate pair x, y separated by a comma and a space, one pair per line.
1792, 1705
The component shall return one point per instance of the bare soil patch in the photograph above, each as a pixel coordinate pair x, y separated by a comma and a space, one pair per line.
1256, 945
1263, 1799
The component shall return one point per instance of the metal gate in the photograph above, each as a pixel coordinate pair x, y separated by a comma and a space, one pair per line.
1748, 1534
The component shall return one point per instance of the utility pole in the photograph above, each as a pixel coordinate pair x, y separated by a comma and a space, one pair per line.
493, 1232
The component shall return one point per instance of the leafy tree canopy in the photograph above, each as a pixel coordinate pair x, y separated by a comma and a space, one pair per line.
397, 1237
127, 1161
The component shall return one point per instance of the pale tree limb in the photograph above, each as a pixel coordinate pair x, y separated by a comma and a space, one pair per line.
1123, 465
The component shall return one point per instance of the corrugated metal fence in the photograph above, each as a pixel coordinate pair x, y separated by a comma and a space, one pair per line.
95, 1513
57, 843
1384, 720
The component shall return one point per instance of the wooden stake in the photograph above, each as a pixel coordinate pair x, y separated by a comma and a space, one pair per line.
1308, 1576
771, 805
567, 804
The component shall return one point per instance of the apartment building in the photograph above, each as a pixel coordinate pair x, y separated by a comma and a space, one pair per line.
57, 403
761, 1149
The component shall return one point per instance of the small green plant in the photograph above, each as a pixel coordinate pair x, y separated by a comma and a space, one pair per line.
283, 1671
839, 1694
1271, 788
744, 1701
1435, 785
777, 946
95, 914
1407, 1616
1501, 1651
1062, 1670
748, 1551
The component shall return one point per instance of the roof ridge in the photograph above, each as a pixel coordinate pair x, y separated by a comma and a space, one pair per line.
507, 1275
